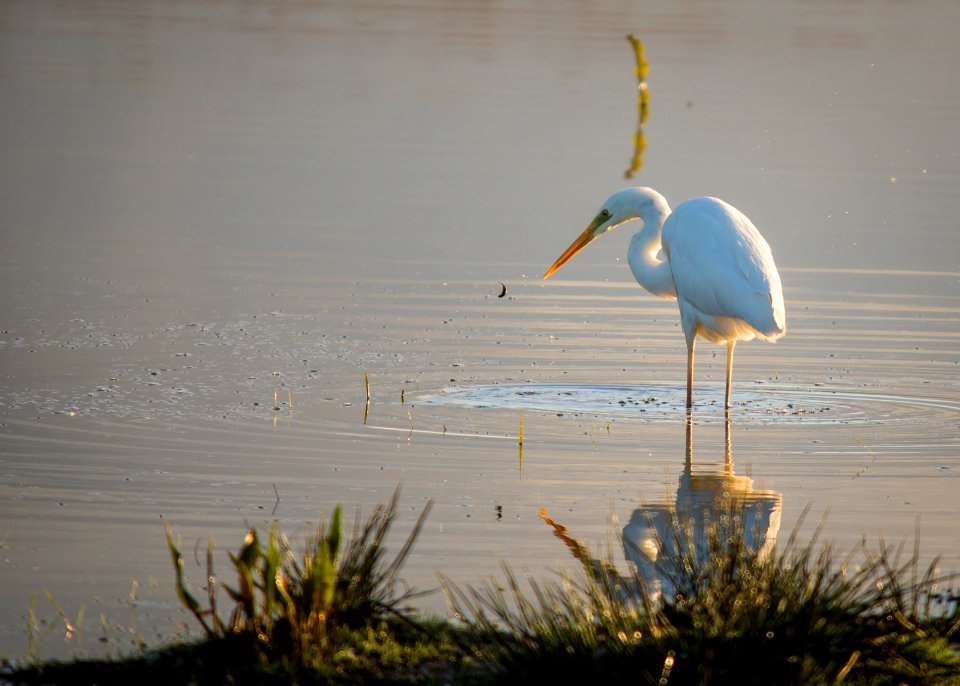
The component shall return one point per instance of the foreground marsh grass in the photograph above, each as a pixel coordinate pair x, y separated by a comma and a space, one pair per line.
801, 615
335, 614
292, 603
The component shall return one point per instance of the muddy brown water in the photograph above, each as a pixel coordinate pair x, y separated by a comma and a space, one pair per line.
217, 218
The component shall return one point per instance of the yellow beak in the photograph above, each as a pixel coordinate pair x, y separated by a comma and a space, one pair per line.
582, 241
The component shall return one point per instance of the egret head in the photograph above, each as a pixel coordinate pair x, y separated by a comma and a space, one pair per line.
622, 206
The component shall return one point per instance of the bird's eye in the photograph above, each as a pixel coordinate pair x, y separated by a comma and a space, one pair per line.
604, 213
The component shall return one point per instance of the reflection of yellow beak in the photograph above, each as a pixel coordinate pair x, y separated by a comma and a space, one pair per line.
582, 241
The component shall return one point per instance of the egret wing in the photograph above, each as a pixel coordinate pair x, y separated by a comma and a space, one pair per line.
723, 267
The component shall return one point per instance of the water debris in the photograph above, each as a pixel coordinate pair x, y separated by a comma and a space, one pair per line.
503, 289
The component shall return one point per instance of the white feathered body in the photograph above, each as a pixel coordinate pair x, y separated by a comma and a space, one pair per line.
727, 285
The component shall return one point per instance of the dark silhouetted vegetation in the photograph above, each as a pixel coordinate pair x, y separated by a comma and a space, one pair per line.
336, 613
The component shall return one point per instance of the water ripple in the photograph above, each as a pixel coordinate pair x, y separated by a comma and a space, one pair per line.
761, 403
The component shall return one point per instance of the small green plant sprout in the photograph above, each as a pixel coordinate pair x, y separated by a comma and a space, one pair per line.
366, 405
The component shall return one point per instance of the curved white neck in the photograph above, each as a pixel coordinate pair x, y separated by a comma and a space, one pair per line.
651, 272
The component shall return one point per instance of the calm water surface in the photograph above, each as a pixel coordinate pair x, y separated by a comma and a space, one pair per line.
217, 217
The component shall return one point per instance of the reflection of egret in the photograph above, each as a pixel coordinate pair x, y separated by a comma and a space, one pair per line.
651, 538
706, 254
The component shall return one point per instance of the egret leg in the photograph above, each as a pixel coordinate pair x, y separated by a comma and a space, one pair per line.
727, 445
726, 398
693, 344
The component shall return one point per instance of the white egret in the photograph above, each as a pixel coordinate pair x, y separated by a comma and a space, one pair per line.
706, 254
